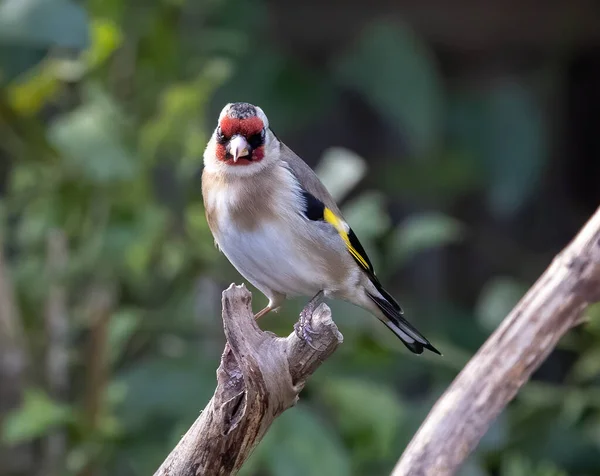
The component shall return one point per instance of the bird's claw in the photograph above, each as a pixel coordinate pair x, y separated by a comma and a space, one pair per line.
303, 328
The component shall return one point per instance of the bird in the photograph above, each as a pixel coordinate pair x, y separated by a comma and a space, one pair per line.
277, 224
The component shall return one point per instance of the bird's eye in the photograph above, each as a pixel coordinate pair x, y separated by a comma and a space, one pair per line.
221, 139
256, 140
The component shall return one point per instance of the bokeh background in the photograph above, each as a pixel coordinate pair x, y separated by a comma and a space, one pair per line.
460, 138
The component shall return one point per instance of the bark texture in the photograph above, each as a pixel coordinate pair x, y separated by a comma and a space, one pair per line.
260, 376
507, 359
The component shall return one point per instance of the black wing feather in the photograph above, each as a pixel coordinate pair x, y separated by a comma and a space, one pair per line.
315, 210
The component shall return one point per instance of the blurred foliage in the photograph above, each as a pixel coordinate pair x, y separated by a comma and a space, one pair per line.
105, 109
37, 416
404, 87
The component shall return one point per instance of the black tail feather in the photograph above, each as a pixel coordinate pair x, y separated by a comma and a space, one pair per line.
405, 331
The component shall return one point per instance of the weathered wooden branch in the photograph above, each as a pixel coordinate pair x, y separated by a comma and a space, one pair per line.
507, 359
260, 376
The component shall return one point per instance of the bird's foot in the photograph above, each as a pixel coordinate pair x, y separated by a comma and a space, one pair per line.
304, 330
303, 327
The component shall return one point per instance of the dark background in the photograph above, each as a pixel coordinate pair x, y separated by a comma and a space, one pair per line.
459, 137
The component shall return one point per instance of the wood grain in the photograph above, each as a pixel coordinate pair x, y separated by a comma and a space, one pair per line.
260, 376
507, 359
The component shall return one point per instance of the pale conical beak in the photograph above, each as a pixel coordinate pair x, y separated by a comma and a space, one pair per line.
238, 147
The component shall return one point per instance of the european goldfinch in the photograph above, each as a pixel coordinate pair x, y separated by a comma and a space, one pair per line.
278, 225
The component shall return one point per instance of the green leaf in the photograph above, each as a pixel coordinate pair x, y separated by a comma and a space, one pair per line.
340, 170
90, 139
310, 448
422, 232
434, 183
122, 326
143, 244
367, 412
300, 444
34, 90
44, 23
37, 416
367, 215
16, 59
587, 366
106, 38
178, 124
516, 139
188, 380
505, 132
472, 467
498, 297
396, 72
545, 436
574, 405
592, 313
518, 465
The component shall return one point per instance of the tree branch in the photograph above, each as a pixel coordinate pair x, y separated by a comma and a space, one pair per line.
54, 445
14, 365
100, 304
260, 376
507, 359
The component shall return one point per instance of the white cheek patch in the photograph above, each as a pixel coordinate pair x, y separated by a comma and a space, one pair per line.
214, 165
262, 117
224, 111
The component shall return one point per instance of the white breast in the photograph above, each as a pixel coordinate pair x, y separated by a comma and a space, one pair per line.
278, 255
270, 259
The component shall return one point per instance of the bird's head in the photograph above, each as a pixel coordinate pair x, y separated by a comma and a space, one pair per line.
242, 142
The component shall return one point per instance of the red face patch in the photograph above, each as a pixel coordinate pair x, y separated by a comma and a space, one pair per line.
245, 127
257, 155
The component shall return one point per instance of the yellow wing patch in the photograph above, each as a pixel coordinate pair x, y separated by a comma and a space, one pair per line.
338, 224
